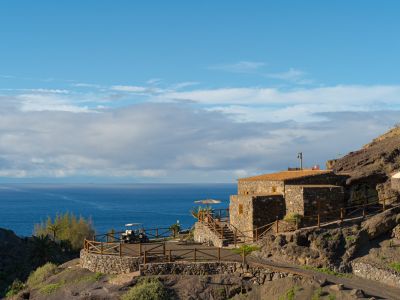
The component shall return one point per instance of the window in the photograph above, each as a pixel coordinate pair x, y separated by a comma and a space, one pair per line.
240, 209
274, 189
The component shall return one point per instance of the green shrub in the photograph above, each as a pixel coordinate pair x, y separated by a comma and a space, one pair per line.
51, 288
290, 294
67, 228
395, 266
147, 289
293, 218
317, 294
15, 288
38, 276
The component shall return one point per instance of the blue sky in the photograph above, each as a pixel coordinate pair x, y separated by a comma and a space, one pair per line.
177, 91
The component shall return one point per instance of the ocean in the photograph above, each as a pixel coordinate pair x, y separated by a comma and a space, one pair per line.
108, 206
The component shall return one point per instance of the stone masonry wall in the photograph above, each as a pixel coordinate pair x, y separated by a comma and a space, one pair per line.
371, 272
202, 234
395, 184
308, 200
109, 264
260, 187
327, 178
258, 275
242, 221
267, 208
325, 200
294, 199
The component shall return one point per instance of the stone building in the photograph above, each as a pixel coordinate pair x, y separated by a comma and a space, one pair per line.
264, 198
396, 182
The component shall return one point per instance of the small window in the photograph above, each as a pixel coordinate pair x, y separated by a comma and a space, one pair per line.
240, 209
274, 189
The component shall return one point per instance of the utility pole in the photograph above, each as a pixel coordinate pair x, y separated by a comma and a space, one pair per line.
300, 157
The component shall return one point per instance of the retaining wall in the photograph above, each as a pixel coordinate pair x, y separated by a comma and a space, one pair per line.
203, 234
368, 271
257, 274
109, 264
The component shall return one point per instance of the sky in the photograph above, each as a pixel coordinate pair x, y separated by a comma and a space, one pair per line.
191, 91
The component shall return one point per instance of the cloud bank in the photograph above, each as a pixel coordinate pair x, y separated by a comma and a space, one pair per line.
196, 135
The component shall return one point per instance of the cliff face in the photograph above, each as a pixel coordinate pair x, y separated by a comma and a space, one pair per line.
373, 165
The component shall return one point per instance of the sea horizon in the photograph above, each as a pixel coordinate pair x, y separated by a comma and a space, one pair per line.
109, 206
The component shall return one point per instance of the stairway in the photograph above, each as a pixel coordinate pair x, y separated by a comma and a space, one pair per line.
224, 232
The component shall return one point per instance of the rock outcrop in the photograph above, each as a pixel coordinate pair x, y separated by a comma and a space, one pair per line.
372, 166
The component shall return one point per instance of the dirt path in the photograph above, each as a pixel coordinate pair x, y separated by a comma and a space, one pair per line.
370, 288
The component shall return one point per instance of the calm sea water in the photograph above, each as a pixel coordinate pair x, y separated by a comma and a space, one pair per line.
110, 206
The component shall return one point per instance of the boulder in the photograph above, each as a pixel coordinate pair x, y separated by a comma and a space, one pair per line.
381, 223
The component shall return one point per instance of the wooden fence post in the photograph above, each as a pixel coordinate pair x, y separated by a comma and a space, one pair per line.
219, 253
170, 255
341, 214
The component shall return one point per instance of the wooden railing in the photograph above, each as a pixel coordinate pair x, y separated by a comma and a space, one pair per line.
149, 251
365, 209
160, 233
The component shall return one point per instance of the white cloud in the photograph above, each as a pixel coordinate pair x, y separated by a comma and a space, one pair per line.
239, 67
292, 75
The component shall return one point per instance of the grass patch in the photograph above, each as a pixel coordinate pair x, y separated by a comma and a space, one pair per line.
290, 293
89, 278
51, 288
318, 293
326, 271
15, 288
395, 266
147, 289
37, 277
350, 239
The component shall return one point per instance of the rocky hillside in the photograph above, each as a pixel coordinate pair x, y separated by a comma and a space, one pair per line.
19, 256
372, 165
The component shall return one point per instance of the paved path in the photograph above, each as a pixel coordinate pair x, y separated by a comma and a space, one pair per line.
185, 252
371, 288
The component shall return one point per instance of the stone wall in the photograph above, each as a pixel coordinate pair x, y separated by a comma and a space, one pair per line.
294, 199
267, 208
202, 234
244, 220
371, 272
308, 200
324, 200
256, 211
257, 274
395, 182
261, 187
109, 264
325, 178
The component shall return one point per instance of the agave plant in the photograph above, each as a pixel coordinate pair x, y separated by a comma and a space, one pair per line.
198, 212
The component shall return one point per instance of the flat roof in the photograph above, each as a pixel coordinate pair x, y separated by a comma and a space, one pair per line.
286, 175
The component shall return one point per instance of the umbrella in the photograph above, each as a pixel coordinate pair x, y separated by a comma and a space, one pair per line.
208, 201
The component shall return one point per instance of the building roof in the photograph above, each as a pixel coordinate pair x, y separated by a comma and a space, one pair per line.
286, 175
